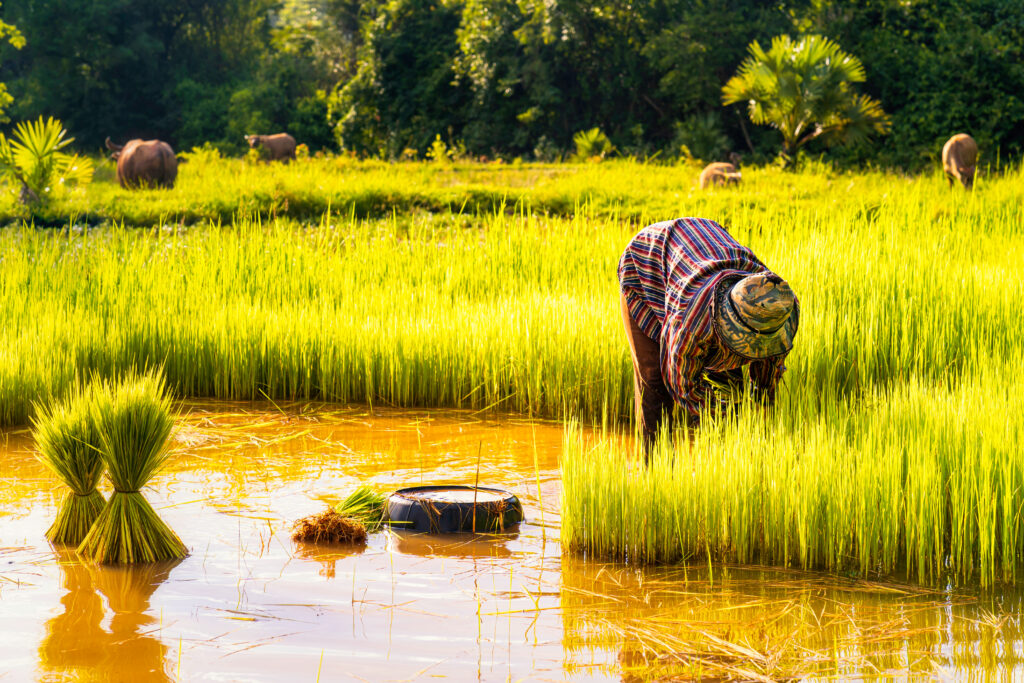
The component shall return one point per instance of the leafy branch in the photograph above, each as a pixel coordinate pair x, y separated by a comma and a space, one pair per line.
32, 158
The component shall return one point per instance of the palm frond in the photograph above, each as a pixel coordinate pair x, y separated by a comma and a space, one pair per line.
861, 117
33, 158
591, 144
803, 88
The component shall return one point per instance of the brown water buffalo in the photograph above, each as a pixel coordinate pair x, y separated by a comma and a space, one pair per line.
144, 163
280, 147
721, 173
959, 159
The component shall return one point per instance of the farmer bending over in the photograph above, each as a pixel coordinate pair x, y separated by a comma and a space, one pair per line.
698, 306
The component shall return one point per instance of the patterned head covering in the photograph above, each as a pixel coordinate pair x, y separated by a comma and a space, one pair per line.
756, 316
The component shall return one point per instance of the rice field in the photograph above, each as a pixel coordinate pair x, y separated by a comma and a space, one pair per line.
893, 447
250, 604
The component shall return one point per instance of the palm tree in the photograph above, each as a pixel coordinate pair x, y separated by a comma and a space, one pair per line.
34, 160
804, 89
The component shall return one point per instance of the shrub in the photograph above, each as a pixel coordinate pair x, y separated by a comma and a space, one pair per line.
592, 145
34, 161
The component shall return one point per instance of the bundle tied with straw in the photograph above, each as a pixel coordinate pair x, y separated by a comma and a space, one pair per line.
69, 445
134, 427
366, 506
362, 511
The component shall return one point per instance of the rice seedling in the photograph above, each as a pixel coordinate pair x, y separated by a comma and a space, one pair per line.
134, 427
924, 482
361, 512
365, 506
513, 306
69, 444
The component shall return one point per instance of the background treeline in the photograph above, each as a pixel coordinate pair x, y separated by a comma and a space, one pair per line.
500, 77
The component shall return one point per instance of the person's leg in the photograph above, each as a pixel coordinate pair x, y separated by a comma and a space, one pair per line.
650, 394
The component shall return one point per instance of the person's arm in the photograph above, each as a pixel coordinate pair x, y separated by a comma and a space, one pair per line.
765, 376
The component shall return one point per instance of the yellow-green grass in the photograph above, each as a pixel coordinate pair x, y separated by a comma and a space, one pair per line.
909, 293
213, 189
513, 312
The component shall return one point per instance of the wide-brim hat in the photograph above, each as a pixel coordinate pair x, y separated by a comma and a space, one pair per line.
756, 316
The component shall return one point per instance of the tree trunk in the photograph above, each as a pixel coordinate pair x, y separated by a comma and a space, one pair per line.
746, 135
27, 196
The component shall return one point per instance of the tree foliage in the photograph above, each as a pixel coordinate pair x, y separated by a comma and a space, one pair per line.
34, 159
510, 77
803, 89
11, 35
403, 93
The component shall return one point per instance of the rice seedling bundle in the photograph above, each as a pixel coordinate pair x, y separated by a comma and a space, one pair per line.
329, 527
68, 442
366, 506
134, 427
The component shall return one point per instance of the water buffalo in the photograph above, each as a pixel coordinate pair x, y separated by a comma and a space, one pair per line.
280, 147
959, 158
144, 163
721, 173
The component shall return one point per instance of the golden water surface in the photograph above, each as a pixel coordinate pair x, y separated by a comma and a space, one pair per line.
248, 604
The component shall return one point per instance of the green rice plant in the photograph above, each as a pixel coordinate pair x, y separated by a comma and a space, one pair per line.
134, 428
69, 444
510, 302
365, 506
922, 480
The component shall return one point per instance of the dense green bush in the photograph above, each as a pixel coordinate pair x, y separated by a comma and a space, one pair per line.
503, 77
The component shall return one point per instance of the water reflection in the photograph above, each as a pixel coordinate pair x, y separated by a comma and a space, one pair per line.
327, 555
411, 606
751, 623
78, 646
463, 545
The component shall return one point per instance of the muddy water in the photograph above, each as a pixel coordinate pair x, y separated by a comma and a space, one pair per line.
249, 604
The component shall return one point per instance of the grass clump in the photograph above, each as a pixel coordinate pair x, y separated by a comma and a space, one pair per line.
923, 481
362, 511
329, 527
134, 427
366, 506
68, 441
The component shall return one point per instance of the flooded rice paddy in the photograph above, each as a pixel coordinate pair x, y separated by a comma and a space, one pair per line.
248, 604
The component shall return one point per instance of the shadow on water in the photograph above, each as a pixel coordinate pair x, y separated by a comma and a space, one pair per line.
104, 632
